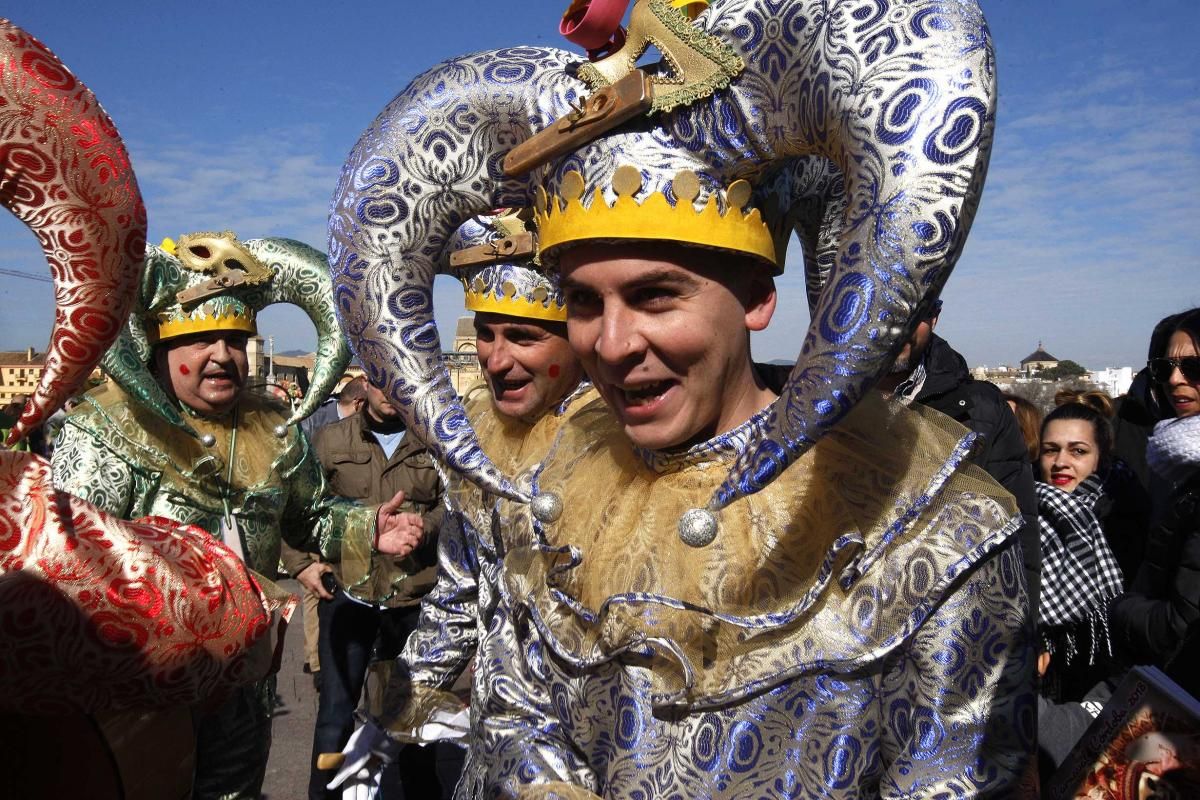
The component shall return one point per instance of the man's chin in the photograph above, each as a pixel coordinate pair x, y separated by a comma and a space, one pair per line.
217, 404
516, 409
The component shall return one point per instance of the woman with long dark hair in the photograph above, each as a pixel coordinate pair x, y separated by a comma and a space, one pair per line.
1153, 620
1080, 573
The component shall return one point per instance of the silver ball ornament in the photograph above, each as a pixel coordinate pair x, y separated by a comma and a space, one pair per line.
546, 507
698, 527
280, 431
208, 440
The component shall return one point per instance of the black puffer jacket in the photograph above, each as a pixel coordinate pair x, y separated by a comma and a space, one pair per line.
1150, 622
950, 389
1136, 416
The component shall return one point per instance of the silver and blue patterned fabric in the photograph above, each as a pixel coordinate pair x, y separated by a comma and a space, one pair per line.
905, 671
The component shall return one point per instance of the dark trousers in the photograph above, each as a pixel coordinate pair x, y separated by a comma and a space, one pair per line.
351, 636
233, 742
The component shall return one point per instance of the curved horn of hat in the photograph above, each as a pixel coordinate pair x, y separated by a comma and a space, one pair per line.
905, 106
65, 173
126, 361
806, 197
302, 279
429, 161
899, 96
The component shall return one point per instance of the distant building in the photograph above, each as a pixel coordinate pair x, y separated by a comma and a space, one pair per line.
294, 369
256, 359
998, 374
21, 370
462, 361
1113, 380
1037, 361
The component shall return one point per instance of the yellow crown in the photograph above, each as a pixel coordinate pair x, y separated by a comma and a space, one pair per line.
215, 315
654, 218
507, 299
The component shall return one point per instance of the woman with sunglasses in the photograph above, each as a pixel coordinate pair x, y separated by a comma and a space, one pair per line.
1151, 621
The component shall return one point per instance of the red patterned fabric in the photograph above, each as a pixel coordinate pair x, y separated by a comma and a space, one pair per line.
65, 173
101, 614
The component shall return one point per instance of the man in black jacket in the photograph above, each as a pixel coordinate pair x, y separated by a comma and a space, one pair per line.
930, 372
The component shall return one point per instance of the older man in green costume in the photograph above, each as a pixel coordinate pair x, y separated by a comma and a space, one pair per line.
180, 437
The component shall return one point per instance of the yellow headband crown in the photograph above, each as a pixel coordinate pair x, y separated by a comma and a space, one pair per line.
564, 220
219, 314
516, 291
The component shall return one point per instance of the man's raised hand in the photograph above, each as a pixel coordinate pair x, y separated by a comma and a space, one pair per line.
397, 532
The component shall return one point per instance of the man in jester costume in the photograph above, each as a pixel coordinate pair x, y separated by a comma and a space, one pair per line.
714, 585
533, 383
178, 436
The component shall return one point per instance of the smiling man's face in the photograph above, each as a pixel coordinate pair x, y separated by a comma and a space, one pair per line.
206, 372
664, 332
528, 363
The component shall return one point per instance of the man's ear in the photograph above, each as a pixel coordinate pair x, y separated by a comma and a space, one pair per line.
760, 302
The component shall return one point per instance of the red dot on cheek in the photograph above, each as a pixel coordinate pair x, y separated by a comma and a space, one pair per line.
183, 370
554, 370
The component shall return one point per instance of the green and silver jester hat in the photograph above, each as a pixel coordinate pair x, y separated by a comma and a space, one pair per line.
898, 96
213, 281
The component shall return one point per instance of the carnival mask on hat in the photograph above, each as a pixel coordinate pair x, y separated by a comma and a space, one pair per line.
898, 96
493, 255
214, 282
65, 173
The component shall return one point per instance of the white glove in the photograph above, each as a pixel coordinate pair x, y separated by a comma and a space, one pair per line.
444, 727
368, 750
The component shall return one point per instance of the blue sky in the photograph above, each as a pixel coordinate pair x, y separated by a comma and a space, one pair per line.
239, 115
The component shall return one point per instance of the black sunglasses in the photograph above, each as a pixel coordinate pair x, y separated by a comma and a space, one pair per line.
1161, 368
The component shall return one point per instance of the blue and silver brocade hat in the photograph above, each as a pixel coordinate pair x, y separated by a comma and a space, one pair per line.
494, 256
899, 97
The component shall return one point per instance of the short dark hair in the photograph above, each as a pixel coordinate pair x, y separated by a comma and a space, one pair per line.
1188, 322
355, 389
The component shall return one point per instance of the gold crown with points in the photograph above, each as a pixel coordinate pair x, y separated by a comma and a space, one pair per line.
218, 314
494, 256
563, 220
515, 291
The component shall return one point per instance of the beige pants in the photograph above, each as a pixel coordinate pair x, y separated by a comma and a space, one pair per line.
311, 630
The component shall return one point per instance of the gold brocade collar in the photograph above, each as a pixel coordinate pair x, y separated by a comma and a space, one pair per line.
147, 442
831, 566
513, 444
721, 449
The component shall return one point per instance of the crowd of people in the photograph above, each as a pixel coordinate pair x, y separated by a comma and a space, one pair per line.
633, 562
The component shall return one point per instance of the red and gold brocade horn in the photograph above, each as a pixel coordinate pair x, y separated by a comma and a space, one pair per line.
65, 173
